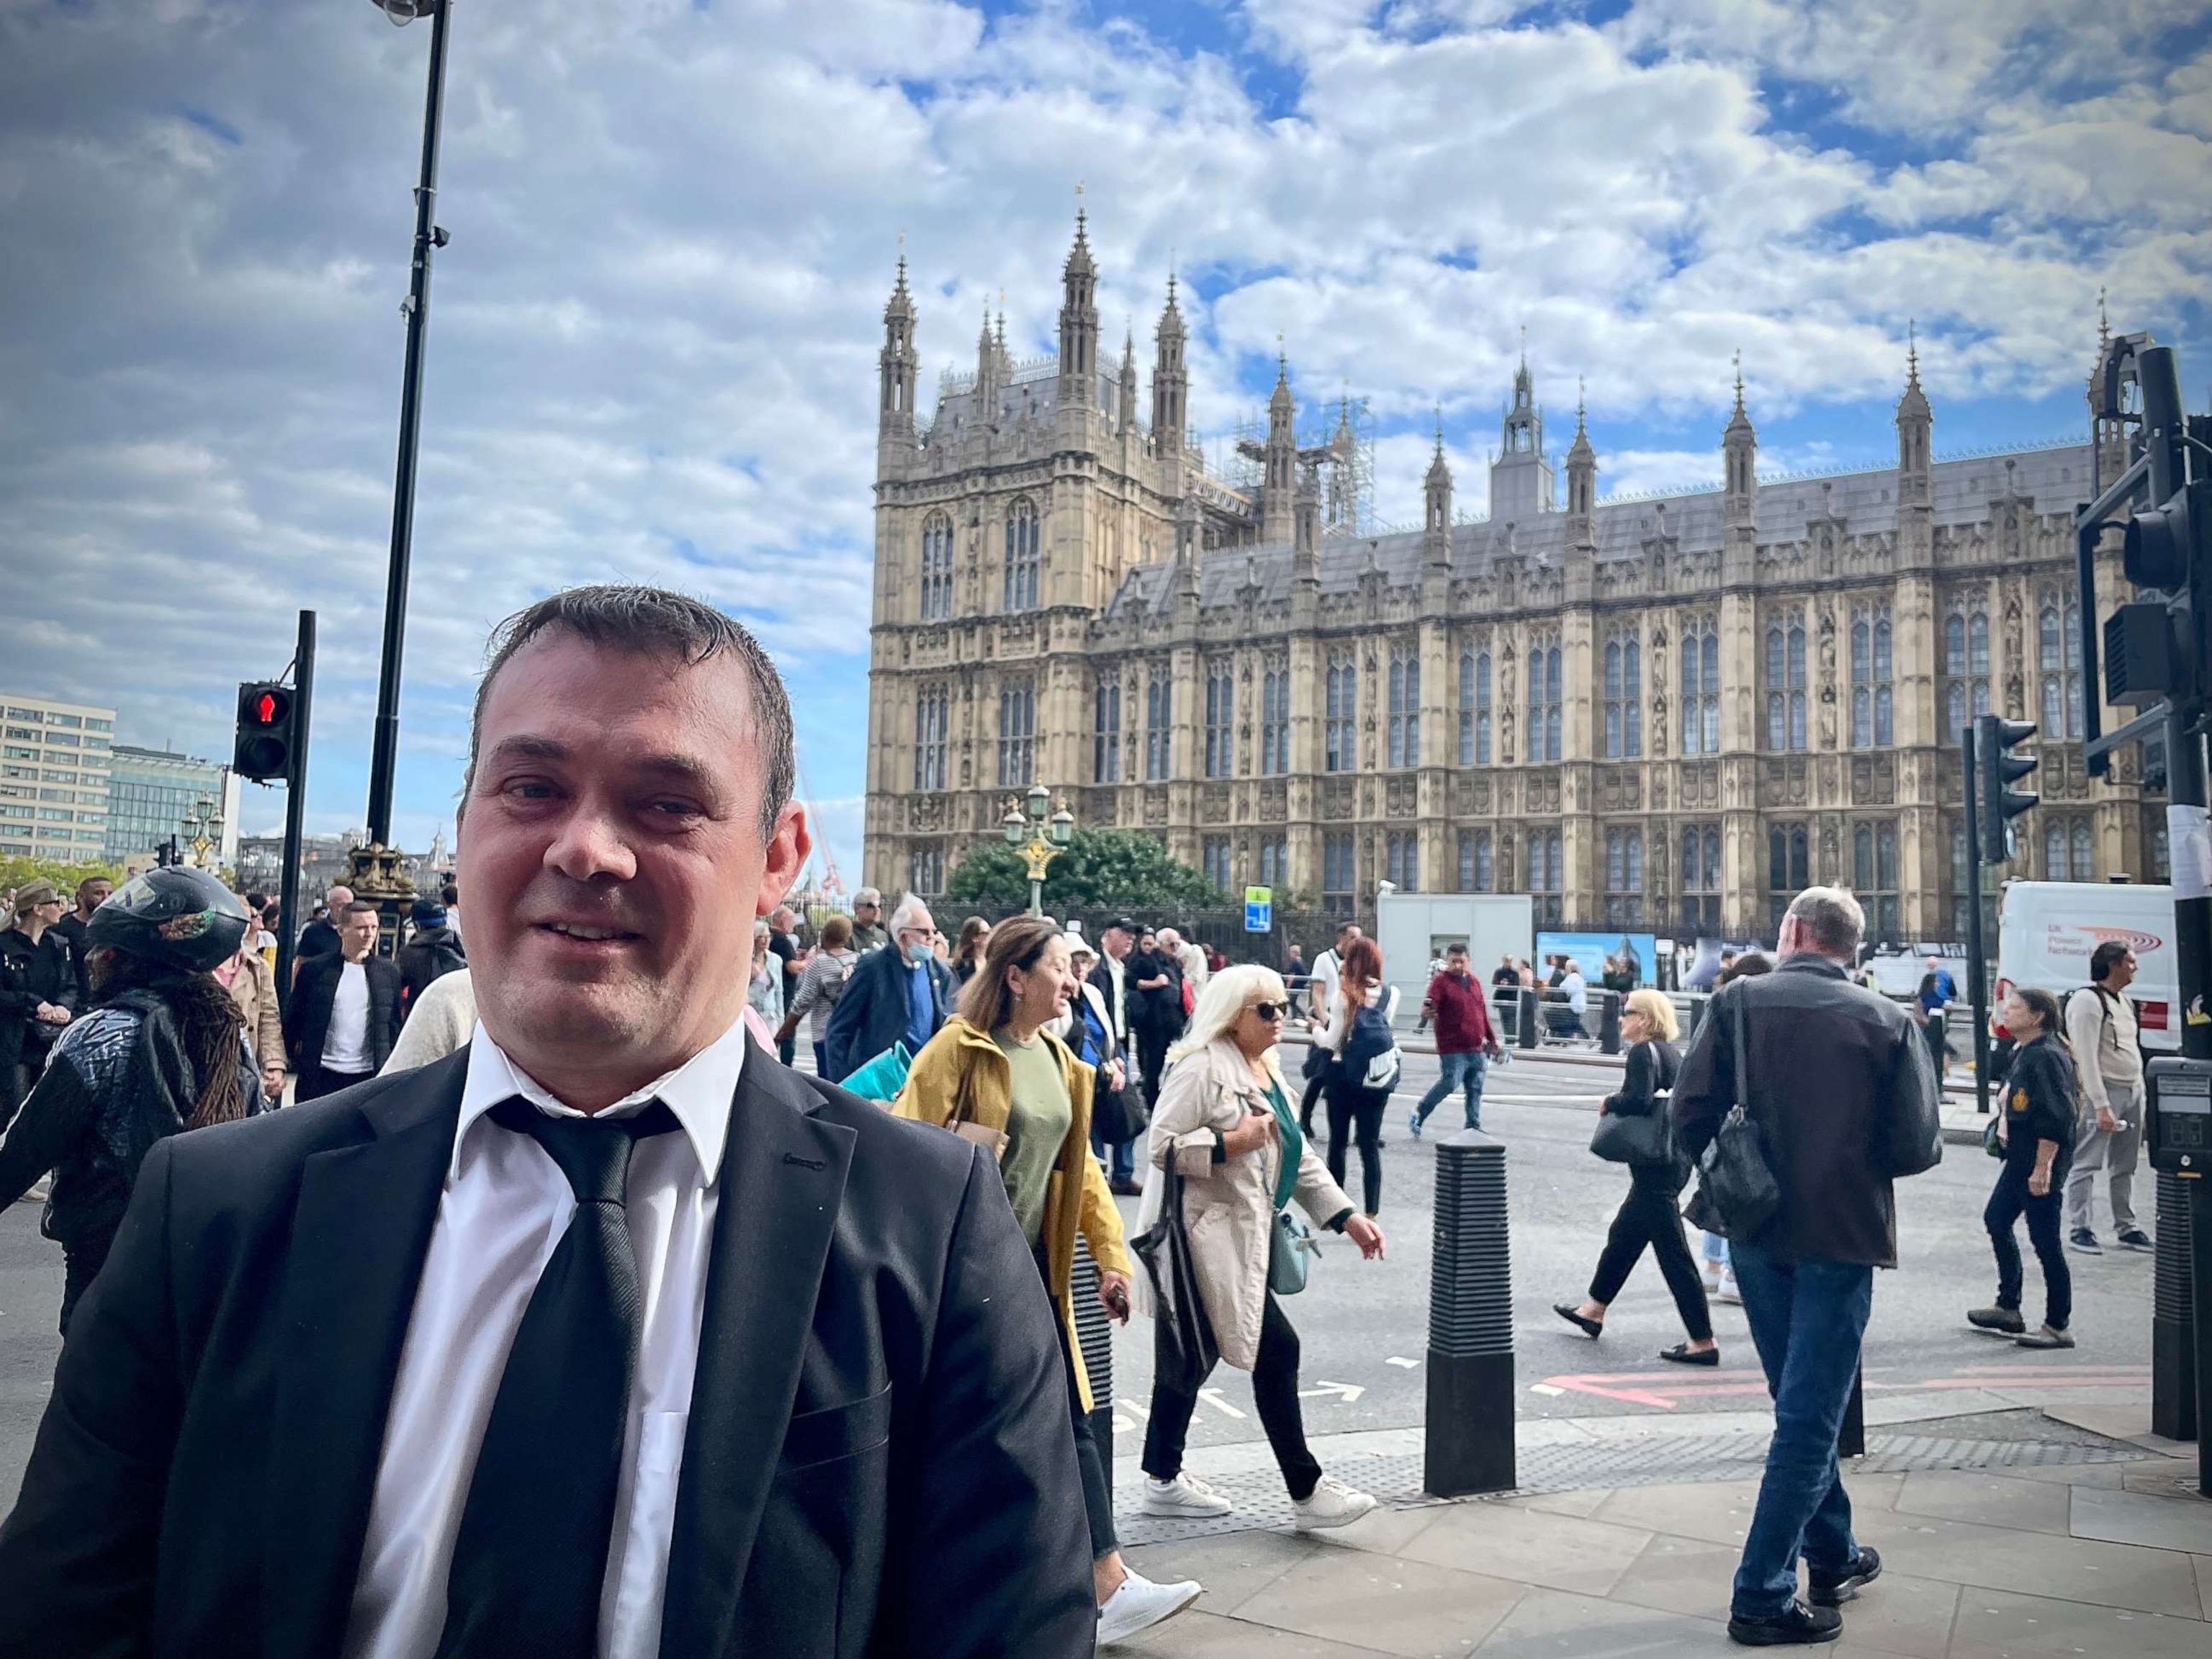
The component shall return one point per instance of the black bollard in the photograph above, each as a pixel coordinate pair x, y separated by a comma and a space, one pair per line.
1506, 1007
2173, 1318
1529, 1016
1468, 1445
1609, 1023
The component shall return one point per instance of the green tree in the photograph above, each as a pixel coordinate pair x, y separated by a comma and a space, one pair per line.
1103, 868
16, 871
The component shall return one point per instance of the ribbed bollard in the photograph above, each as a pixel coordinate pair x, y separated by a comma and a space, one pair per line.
2172, 1322
1609, 1023
1530, 1035
1469, 1440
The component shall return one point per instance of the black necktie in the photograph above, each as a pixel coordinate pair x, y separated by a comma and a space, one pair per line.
531, 1551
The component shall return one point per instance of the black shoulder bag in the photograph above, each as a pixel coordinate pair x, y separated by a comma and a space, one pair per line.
1737, 1193
1186, 1350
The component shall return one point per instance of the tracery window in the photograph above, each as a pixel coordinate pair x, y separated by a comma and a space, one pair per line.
937, 568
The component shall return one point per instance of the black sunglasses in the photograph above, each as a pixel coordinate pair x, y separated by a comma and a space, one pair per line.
1268, 1010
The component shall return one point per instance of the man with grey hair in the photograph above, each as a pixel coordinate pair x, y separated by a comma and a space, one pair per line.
868, 932
1843, 1099
606, 1334
902, 993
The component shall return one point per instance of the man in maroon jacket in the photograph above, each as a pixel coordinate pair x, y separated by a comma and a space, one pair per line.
1465, 1043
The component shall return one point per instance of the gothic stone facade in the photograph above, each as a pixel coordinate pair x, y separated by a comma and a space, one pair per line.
1668, 712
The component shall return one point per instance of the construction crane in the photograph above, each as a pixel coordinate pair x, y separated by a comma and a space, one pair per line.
832, 885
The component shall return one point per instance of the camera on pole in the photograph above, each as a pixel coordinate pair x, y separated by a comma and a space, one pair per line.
1994, 736
262, 748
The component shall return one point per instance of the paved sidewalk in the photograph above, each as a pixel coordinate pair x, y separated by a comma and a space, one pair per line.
2081, 1560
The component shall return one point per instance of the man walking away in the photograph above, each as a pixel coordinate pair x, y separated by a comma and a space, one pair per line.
345, 1011
790, 960
2100, 1024
1110, 978
868, 932
1465, 1042
91, 893
1321, 997
433, 952
1842, 1093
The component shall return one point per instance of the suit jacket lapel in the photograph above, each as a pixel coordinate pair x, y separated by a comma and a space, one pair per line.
360, 1229
782, 1179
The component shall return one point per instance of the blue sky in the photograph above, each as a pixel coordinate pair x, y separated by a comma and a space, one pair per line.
653, 337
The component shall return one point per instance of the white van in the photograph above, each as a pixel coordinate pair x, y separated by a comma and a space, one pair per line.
2046, 930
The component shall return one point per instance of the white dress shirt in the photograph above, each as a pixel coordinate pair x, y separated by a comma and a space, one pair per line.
504, 1208
345, 1045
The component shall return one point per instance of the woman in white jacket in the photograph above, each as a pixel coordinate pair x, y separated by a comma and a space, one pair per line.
1226, 1120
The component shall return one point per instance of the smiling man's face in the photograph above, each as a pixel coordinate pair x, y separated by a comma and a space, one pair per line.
611, 848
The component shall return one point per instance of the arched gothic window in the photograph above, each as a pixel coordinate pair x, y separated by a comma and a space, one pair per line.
1021, 556
937, 568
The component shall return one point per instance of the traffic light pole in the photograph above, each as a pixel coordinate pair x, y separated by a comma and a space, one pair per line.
296, 806
1977, 974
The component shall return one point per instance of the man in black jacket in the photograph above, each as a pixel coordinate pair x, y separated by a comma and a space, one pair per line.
39, 992
344, 1015
433, 952
359, 1376
91, 893
1841, 1089
902, 993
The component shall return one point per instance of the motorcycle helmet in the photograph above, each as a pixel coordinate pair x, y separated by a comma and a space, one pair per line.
181, 917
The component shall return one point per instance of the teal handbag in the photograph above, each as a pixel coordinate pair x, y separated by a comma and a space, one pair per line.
1291, 1250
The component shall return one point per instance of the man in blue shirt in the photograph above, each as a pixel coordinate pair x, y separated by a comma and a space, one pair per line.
902, 993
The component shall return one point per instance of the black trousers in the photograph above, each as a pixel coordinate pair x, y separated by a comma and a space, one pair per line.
1354, 1108
1317, 1086
1646, 1217
2010, 1202
1274, 1390
1152, 1043
80, 1267
315, 1081
1089, 1462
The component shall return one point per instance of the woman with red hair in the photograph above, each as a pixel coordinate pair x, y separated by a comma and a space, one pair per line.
1366, 1069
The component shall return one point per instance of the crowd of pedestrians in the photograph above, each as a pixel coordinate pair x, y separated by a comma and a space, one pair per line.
471, 1334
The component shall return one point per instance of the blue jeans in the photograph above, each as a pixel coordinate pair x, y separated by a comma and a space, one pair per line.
1807, 1320
1454, 1072
1119, 1158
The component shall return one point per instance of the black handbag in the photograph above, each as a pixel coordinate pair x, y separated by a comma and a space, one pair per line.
1737, 1194
1639, 1141
1184, 1352
1116, 1115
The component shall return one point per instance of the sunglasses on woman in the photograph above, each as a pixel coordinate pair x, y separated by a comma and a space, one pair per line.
1268, 1011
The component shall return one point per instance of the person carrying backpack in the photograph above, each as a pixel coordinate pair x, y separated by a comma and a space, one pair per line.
2100, 1024
1367, 1063
433, 952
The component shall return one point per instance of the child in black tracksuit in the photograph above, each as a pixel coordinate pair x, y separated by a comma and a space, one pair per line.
2039, 1111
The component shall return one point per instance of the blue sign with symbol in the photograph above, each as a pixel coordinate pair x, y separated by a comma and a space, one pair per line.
1259, 910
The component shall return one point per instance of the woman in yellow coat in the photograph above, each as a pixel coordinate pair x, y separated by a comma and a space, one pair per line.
995, 1075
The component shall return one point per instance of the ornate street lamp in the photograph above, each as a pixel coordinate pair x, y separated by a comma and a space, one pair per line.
1039, 838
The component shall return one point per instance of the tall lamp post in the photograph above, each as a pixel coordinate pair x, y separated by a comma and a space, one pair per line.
202, 825
1037, 838
377, 872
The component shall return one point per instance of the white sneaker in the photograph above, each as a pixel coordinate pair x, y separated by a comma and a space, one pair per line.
1186, 1497
1710, 1274
1333, 1505
1140, 1604
1728, 1291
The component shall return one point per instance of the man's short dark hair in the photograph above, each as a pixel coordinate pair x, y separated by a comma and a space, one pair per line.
358, 907
648, 621
1456, 949
449, 895
2106, 957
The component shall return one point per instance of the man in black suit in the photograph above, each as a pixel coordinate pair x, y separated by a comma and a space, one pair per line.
1118, 991
902, 994
344, 1012
320, 938
608, 1334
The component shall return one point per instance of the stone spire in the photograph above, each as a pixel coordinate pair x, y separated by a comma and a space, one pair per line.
1739, 452
899, 361
1915, 425
1305, 545
1171, 383
1436, 505
1128, 387
1278, 489
1186, 556
989, 381
1078, 323
1581, 476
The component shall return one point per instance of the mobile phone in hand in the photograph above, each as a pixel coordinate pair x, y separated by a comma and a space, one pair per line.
1117, 1303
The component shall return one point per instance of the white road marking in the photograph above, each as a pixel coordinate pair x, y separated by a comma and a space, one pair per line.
1545, 1389
1345, 1392
1136, 1406
1401, 1361
1212, 1397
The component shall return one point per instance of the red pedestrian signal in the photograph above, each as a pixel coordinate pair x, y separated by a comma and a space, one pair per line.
263, 750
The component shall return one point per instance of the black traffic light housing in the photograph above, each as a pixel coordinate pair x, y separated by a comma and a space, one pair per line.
263, 749
1999, 769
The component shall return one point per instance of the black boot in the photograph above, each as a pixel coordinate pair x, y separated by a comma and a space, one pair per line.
1828, 1592
1799, 1626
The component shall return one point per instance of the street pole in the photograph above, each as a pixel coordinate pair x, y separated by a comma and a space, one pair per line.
428, 236
1976, 974
1036, 894
296, 805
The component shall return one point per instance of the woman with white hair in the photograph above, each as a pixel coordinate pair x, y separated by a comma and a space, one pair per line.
1226, 1119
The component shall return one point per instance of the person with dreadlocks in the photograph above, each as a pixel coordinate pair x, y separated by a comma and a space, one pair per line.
163, 1050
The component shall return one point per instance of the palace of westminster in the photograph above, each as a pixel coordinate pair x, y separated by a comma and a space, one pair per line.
1666, 712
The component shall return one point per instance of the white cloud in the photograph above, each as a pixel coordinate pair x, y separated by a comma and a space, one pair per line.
652, 339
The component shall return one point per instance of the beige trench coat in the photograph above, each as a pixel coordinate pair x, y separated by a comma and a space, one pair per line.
1230, 1207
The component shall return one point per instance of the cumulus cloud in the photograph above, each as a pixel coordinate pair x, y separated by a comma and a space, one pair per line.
652, 339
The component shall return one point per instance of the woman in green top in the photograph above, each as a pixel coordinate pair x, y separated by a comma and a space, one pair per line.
1226, 1122
995, 1075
